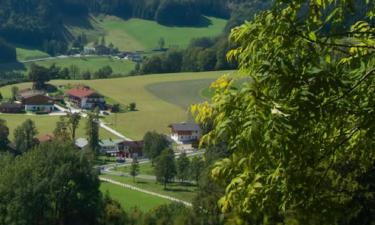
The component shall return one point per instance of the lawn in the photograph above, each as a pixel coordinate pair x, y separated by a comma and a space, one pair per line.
155, 111
45, 124
139, 34
144, 169
176, 190
129, 198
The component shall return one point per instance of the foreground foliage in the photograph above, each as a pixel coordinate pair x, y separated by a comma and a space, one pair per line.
301, 131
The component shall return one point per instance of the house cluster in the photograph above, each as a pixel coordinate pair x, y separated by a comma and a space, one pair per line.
29, 100
100, 50
85, 98
115, 147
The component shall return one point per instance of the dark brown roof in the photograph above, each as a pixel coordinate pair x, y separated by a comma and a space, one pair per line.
184, 127
38, 100
134, 144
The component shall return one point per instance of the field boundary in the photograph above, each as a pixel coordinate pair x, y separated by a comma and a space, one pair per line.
145, 191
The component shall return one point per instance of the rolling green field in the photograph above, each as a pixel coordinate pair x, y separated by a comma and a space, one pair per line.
143, 35
155, 111
130, 199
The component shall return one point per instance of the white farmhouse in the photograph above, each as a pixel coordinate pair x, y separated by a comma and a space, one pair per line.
185, 132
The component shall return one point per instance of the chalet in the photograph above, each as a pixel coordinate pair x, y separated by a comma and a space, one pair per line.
121, 148
111, 147
8, 107
185, 132
133, 149
85, 98
36, 102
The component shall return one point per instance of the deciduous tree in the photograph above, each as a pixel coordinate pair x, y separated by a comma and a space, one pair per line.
301, 129
24, 136
165, 167
183, 166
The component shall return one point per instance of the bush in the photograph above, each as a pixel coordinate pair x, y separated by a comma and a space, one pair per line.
132, 106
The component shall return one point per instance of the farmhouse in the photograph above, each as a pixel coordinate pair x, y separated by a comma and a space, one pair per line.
111, 147
37, 102
8, 107
85, 98
133, 149
185, 132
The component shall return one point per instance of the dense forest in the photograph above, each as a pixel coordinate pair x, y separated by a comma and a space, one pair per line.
42, 20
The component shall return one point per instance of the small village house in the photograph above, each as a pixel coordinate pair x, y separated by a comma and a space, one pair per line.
185, 132
85, 98
111, 147
36, 101
133, 149
121, 148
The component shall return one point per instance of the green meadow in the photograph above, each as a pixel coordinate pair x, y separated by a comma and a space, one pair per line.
143, 35
161, 99
130, 199
45, 124
92, 64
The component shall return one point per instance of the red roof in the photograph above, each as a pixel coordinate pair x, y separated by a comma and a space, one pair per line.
81, 92
45, 138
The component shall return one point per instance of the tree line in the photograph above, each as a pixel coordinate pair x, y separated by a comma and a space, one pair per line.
203, 54
43, 24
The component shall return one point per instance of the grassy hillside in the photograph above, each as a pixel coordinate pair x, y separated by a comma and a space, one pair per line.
91, 63
24, 53
138, 34
156, 108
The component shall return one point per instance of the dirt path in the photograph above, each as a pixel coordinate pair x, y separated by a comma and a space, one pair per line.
145, 191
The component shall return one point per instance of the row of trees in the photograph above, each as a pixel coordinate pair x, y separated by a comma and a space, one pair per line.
203, 54
39, 75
